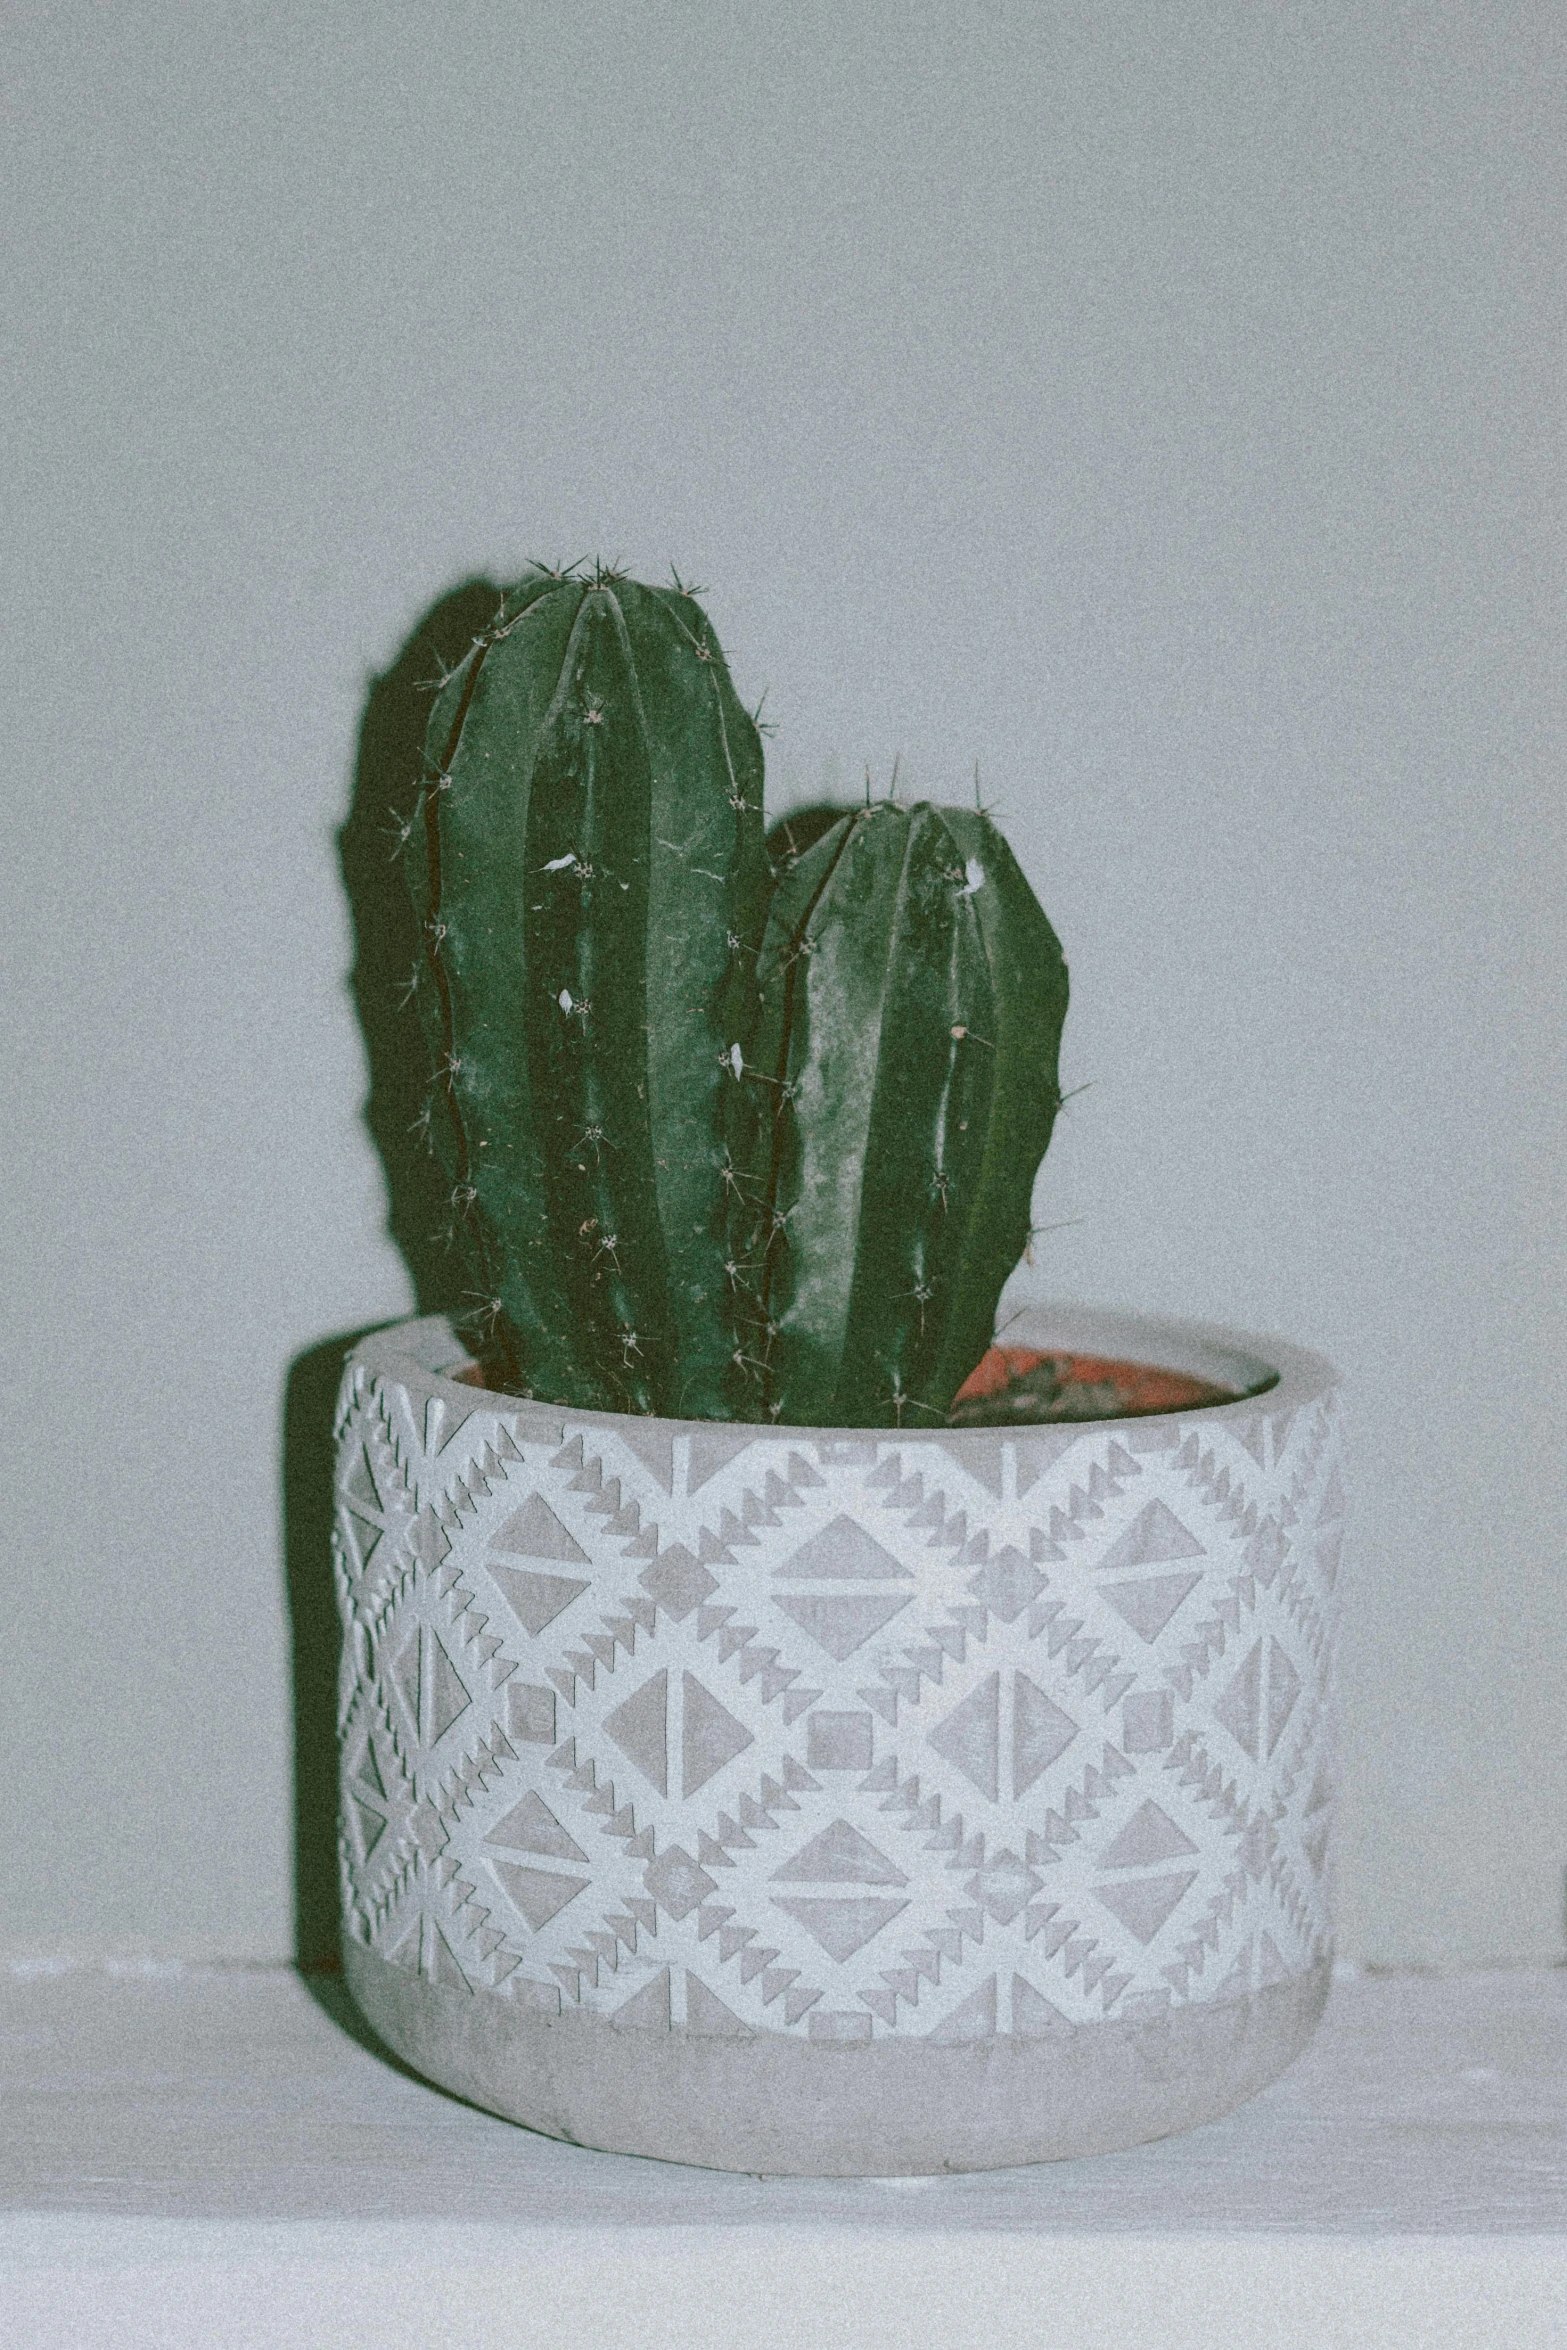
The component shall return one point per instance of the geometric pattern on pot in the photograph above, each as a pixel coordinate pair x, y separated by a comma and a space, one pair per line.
740, 1731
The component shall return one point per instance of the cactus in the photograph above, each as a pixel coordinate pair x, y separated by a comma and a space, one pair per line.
900, 1093
711, 1156
589, 872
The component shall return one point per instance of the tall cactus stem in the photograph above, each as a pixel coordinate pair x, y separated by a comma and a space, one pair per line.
593, 885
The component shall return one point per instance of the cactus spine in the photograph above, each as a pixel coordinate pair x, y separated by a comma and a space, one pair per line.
901, 1091
588, 868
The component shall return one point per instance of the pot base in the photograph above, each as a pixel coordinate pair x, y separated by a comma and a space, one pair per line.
887, 2108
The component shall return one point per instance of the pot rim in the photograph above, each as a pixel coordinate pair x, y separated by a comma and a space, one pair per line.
1274, 1374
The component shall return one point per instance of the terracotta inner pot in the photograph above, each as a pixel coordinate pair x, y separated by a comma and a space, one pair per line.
1026, 1383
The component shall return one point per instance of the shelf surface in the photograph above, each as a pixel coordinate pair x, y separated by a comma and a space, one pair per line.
226, 2157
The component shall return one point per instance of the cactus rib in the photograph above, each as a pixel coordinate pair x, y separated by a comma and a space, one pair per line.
911, 996
592, 846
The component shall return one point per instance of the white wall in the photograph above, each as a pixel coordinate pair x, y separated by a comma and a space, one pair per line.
1157, 402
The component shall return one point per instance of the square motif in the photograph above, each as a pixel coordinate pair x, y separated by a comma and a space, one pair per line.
838, 1742
839, 2026
530, 1714
1147, 1721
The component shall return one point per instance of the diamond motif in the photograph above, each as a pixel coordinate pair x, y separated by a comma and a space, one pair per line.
677, 1882
1003, 1886
596, 1771
1006, 1583
679, 1582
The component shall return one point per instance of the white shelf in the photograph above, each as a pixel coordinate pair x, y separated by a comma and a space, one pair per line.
212, 2157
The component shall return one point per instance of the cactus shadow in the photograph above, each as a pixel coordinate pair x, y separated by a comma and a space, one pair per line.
388, 766
800, 830
315, 1643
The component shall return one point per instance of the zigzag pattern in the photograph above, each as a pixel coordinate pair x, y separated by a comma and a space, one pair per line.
774, 1707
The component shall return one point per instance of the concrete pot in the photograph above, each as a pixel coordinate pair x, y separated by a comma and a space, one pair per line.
791, 1800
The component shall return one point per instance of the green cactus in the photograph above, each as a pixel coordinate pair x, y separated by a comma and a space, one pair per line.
707, 1156
900, 1093
588, 868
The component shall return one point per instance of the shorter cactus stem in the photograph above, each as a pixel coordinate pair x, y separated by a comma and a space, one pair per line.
902, 1081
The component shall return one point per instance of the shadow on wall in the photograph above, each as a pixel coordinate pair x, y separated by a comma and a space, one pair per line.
387, 776
387, 773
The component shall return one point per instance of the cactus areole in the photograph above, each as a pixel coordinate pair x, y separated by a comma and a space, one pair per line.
721, 1144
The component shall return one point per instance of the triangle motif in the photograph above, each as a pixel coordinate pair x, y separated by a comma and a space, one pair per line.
1154, 1536
1270, 1965
970, 1737
534, 1531
405, 1676
841, 1625
712, 1449
1041, 1733
539, 1893
710, 1736
530, 1826
448, 1696
1283, 1689
536, 1600
366, 1537
1334, 1501
1144, 1904
975, 2019
640, 1728
371, 1826
841, 1852
707, 2014
443, 1964
1034, 2017
360, 1486
442, 1419
406, 1953
1148, 1606
646, 2010
1150, 1835
1238, 1981
1240, 1708
842, 1927
843, 1552
653, 1446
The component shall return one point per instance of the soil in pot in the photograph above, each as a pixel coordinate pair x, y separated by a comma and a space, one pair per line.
1023, 1383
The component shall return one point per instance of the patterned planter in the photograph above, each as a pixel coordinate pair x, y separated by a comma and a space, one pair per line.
788, 1801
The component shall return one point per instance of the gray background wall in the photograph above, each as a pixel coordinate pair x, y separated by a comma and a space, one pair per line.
1158, 403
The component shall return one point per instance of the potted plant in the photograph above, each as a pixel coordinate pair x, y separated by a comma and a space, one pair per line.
782, 1729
